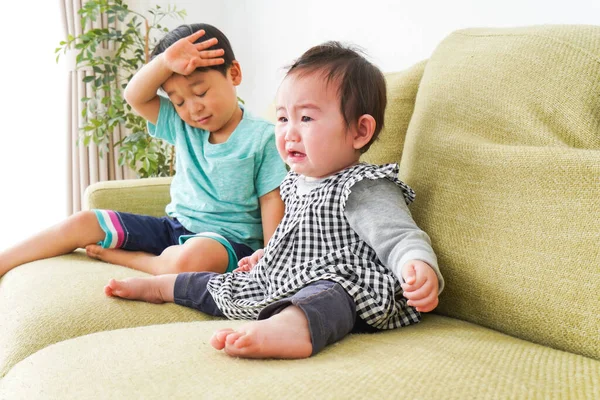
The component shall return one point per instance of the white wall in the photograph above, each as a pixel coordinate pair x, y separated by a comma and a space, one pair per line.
32, 149
268, 34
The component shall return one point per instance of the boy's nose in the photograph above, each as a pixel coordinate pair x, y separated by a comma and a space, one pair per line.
194, 107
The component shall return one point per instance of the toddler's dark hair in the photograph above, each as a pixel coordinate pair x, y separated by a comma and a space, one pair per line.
211, 32
361, 85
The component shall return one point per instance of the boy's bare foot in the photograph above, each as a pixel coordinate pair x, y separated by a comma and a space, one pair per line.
133, 259
284, 335
113, 256
145, 289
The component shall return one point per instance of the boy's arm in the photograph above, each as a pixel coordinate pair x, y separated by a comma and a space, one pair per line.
142, 90
271, 212
270, 171
377, 212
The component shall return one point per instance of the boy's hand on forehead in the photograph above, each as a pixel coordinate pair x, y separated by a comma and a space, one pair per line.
184, 56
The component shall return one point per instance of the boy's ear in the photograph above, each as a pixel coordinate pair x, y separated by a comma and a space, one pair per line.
235, 71
365, 128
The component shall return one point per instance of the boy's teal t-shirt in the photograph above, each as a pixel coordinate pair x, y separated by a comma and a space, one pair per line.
216, 187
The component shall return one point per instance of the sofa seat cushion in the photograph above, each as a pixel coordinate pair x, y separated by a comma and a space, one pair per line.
438, 358
52, 300
503, 152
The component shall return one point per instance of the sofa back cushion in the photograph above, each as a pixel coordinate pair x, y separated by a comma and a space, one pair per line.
503, 151
401, 92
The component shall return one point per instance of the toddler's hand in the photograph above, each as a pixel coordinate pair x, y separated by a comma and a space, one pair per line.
183, 56
247, 263
420, 285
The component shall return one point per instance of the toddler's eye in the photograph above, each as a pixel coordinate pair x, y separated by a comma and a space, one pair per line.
202, 94
282, 119
306, 118
179, 105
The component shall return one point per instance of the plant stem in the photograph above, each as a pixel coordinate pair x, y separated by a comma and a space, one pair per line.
146, 41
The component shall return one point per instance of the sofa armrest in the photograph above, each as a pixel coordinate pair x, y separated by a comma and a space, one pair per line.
141, 196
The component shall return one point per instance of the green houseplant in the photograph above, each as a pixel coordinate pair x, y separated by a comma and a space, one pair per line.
132, 35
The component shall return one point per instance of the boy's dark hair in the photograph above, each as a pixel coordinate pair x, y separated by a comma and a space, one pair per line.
361, 85
211, 32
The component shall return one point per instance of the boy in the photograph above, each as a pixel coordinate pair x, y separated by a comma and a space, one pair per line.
225, 200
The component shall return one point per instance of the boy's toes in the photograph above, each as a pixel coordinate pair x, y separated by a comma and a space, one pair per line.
93, 250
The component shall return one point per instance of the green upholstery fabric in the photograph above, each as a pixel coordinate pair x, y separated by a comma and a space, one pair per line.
140, 196
401, 92
502, 151
441, 358
48, 301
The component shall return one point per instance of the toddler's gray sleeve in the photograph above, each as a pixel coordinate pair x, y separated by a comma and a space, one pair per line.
376, 210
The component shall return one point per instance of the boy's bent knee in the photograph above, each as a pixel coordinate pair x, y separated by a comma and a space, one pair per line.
201, 255
84, 227
83, 218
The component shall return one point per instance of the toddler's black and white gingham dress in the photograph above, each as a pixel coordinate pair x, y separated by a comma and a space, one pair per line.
315, 242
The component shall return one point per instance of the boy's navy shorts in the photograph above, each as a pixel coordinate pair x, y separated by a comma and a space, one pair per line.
154, 234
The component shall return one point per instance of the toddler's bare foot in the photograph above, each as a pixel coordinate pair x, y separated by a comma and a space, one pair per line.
145, 289
284, 335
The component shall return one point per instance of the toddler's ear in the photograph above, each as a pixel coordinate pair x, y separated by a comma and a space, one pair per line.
365, 128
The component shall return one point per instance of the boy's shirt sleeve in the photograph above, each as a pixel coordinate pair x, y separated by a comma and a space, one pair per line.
270, 168
165, 125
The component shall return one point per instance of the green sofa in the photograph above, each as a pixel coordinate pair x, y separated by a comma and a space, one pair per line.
499, 135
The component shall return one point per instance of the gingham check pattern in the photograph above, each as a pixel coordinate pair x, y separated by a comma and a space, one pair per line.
314, 242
